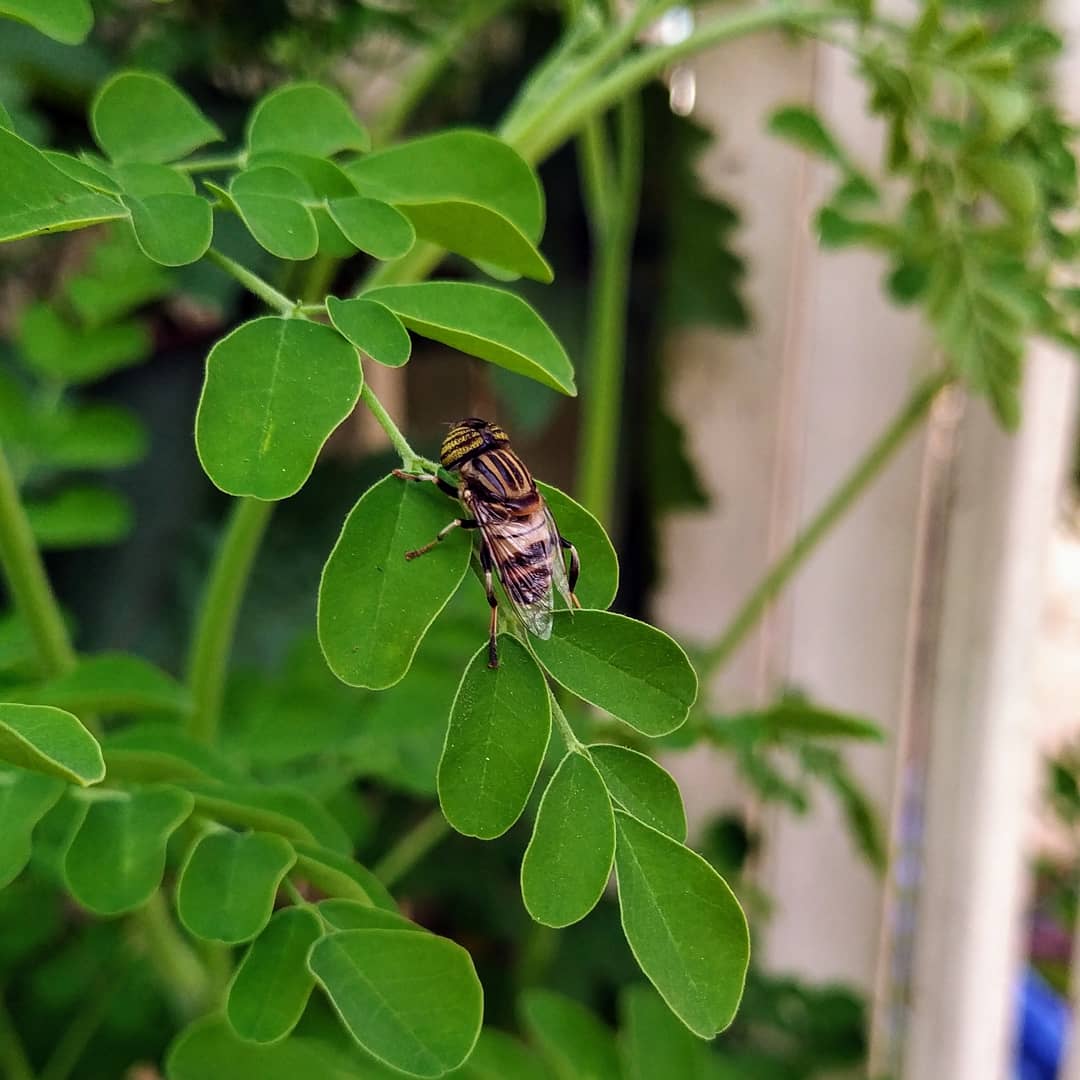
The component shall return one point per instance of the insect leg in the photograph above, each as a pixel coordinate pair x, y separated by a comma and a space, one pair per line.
438, 481
493, 648
457, 523
575, 568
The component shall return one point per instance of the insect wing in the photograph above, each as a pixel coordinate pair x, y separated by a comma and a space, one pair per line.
558, 566
522, 555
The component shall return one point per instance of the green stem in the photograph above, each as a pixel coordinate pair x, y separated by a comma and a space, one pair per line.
410, 459
865, 471
573, 743
216, 622
16, 1065
176, 964
253, 283
29, 586
567, 112
213, 163
72, 1043
612, 203
411, 848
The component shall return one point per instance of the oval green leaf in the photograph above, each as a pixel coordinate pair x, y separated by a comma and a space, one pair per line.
599, 581
275, 389
56, 348
499, 728
373, 226
570, 1037
25, 798
632, 670
173, 230
78, 517
355, 915
160, 750
468, 166
116, 859
68, 21
51, 741
375, 606
412, 1001
339, 876
568, 861
498, 1056
270, 201
654, 1042
141, 117
492, 324
112, 682
642, 787
683, 924
304, 118
270, 989
374, 329
37, 197
228, 884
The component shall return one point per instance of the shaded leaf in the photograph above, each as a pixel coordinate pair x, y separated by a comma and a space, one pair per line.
599, 581
270, 989
354, 915
410, 1000
373, 226
804, 128
136, 116
568, 861
339, 876
495, 743
51, 741
570, 1037
91, 437
228, 883
492, 324
270, 200
79, 517
683, 924
374, 606
498, 1056
116, 858
634, 671
654, 1043
173, 230
275, 389
161, 751
68, 21
373, 328
304, 118
25, 797
642, 788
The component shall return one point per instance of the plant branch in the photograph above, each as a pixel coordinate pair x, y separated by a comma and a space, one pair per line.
573, 743
253, 283
177, 966
16, 1065
213, 163
216, 623
411, 848
865, 471
27, 581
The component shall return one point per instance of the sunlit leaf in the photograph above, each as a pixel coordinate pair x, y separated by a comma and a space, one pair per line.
305, 118
499, 727
25, 797
373, 226
51, 741
374, 329
68, 21
173, 230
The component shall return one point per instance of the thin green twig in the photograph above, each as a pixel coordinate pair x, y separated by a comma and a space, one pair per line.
253, 283
864, 472
411, 848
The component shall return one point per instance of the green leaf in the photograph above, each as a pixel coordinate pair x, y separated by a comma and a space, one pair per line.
599, 581
5, 119
288, 811
492, 324
642, 788
374, 329
683, 924
573, 1041
83, 171
270, 989
568, 861
499, 728
804, 128
38, 197
412, 1001
117, 279
210, 1050
25, 798
270, 200
794, 716
373, 226
160, 751
1006, 106
228, 883
136, 116
375, 606
275, 389
79, 517
837, 230
338, 876
462, 166
92, 437
304, 118
634, 671
1013, 184
111, 682
498, 1056
116, 858
654, 1043
50, 741
355, 915
68, 21
173, 230
55, 348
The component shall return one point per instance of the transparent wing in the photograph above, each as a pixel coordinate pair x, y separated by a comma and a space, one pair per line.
558, 563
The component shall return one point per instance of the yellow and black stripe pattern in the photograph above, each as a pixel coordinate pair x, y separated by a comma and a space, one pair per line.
468, 438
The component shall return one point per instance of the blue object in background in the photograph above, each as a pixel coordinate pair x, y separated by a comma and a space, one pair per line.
1043, 1024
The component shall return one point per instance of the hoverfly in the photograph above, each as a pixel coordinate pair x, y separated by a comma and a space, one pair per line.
519, 539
